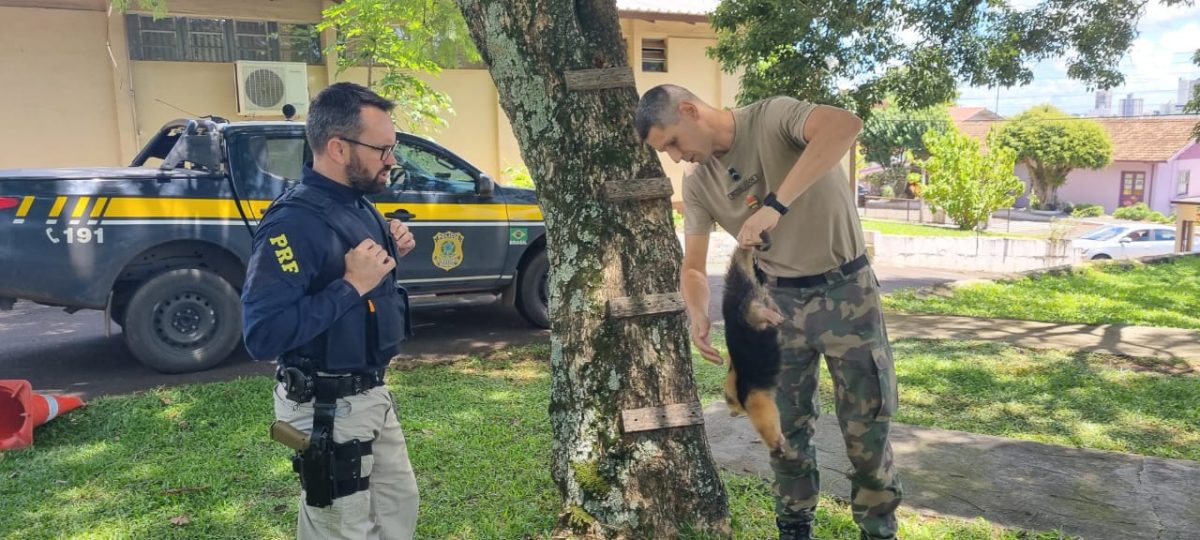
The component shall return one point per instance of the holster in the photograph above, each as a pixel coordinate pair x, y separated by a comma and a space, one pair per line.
329, 470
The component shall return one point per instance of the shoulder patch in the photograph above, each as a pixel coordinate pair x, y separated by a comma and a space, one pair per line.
285, 256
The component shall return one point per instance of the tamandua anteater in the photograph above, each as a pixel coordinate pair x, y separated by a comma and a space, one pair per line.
754, 353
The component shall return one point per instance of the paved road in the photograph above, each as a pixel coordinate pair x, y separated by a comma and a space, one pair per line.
58, 352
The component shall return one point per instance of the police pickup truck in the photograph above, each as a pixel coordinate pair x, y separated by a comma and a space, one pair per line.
162, 245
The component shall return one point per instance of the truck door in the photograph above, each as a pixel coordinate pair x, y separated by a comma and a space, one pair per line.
461, 234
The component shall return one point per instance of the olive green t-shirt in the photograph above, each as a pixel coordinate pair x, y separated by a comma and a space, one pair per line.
821, 230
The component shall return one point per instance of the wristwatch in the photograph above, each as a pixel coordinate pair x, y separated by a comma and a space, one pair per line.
773, 202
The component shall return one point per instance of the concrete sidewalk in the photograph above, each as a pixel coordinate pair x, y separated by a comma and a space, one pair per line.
1151, 342
1096, 495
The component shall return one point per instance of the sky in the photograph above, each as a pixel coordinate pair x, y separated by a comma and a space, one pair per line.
1160, 56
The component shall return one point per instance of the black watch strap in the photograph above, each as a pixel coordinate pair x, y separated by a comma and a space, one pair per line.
773, 202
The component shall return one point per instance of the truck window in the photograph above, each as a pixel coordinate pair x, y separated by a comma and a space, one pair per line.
285, 157
265, 165
428, 171
278, 158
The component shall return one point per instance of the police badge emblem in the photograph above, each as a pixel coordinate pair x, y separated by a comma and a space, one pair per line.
447, 250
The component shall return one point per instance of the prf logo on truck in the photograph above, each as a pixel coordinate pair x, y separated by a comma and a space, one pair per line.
161, 246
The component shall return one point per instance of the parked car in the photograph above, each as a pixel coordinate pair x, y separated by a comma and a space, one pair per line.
1127, 241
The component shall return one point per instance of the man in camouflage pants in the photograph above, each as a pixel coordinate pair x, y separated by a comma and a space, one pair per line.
785, 154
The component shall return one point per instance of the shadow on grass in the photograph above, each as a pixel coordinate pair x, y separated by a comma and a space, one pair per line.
1052, 397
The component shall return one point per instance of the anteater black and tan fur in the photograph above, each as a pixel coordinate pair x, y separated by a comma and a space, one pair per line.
754, 353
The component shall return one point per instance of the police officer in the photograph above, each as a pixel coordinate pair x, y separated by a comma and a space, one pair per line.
785, 154
321, 295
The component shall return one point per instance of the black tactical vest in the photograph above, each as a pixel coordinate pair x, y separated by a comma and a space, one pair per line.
369, 335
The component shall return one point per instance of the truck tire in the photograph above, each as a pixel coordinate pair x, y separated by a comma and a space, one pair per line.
533, 297
182, 321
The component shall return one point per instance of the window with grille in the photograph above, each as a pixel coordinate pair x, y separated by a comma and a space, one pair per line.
193, 39
654, 55
1182, 184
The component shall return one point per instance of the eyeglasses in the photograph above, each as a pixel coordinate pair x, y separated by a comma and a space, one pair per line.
384, 151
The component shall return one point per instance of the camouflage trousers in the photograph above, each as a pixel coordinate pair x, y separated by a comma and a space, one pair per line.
843, 321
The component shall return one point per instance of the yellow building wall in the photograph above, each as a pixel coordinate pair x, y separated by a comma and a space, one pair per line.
61, 84
471, 131
59, 106
200, 88
687, 65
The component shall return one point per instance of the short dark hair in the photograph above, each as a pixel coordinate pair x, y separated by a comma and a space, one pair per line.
337, 112
289, 110
659, 107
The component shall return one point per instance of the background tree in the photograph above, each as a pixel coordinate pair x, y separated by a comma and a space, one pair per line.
400, 42
1051, 143
648, 484
853, 54
965, 183
891, 131
892, 138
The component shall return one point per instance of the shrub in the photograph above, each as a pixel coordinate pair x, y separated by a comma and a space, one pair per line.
965, 183
887, 191
1158, 217
1137, 212
1088, 210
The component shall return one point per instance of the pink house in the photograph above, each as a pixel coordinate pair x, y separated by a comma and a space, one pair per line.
1155, 160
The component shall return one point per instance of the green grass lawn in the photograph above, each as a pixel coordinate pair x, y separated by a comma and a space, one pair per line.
1166, 294
478, 434
1083, 400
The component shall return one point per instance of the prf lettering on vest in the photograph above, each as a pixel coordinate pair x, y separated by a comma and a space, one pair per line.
286, 260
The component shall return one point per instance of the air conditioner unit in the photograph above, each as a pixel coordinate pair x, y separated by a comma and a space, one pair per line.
263, 88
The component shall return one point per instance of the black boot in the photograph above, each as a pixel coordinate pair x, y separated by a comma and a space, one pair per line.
795, 530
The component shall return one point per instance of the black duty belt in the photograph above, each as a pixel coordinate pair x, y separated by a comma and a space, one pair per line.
339, 386
816, 280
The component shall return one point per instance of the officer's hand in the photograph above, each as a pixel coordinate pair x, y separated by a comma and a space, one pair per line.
366, 264
764, 220
404, 238
699, 330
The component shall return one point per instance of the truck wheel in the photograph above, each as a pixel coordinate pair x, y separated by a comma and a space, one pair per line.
182, 321
533, 296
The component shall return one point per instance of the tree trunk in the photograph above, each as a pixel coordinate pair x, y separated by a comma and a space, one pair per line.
1037, 180
1055, 178
614, 484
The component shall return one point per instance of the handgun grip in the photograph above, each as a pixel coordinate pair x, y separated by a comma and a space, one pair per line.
290, 436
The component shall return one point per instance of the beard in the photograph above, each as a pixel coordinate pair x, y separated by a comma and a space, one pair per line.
362, 179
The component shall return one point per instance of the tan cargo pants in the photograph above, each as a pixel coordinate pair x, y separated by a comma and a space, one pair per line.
386, 511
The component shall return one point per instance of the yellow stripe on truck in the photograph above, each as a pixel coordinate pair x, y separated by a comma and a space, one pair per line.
181, 208
26, 204
59, 203
448, 211
98, 210
524, 212
80, 206
163, 207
